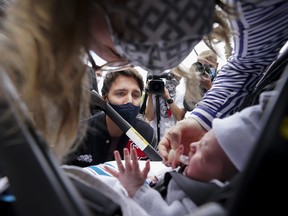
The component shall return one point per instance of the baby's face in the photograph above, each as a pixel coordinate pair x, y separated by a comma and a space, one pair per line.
205, 159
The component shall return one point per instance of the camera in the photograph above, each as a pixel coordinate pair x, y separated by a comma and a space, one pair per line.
202, 68
157, 83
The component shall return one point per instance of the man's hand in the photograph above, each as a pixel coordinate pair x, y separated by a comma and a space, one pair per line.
184, 132
166, 94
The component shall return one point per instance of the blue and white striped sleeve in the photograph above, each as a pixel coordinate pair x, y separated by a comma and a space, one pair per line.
260, 31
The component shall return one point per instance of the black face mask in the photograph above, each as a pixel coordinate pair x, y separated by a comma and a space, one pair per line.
128, 111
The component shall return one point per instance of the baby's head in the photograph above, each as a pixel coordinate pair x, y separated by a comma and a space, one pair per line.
224, 150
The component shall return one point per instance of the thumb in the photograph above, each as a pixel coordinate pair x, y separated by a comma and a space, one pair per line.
175, 138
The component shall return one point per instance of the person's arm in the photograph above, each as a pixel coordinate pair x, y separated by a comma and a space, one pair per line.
149, 111
177, 112
250, 59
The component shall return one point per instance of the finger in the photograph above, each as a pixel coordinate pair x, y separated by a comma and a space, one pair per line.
163, 148
174, 163
170, 141
146, 169
119, 161
179, 151
174, 139
127, 159
135, 163
175, 160
112, 171
134, 154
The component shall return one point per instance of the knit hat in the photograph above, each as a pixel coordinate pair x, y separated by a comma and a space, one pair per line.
237, 134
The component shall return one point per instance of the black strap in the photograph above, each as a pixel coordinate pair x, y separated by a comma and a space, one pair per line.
198, 191
158, 116
224, 195
161, 186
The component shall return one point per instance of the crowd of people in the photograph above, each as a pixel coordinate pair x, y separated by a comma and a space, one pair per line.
42, 47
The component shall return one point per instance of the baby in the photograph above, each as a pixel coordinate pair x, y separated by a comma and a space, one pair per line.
219, 155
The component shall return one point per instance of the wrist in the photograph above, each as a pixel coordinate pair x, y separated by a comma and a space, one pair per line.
170, 101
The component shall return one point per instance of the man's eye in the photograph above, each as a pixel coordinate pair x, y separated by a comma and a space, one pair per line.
120, 93
136, 96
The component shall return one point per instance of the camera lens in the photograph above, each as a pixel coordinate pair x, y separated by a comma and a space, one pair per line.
156, 87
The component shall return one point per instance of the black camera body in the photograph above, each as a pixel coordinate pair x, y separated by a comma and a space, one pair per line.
157, 83
202, 68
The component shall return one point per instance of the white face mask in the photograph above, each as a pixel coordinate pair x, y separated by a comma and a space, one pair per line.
157, 35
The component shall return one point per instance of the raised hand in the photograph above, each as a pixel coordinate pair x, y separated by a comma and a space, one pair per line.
130, 175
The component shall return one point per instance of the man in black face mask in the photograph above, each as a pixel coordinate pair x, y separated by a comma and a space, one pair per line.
123, 91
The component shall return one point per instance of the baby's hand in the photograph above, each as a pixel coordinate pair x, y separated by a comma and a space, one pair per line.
129, 175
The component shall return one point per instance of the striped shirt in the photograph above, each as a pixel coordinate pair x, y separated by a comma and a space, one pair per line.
260, 31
